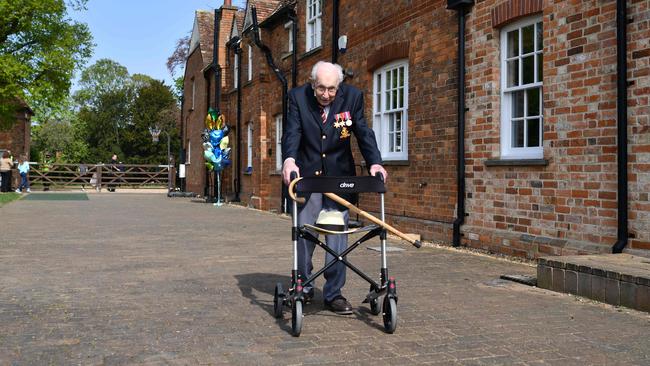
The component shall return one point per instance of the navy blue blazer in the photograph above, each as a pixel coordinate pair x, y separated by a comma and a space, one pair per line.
323, 148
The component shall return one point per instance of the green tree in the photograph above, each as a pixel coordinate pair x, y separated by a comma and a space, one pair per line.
40, 47
154, 107
104, 99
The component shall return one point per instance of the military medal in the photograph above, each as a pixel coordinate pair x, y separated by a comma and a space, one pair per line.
344, 133
343, 121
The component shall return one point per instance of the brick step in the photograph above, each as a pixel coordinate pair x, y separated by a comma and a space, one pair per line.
616, 279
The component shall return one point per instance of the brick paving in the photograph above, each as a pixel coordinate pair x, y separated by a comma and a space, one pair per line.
145, 279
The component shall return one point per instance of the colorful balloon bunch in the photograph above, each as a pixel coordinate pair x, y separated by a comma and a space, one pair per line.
215, 142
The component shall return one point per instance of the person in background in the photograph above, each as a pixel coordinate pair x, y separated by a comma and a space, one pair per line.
5, 171
23, 170
83, 170
114, 167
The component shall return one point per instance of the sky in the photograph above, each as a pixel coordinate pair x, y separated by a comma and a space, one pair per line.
141, 34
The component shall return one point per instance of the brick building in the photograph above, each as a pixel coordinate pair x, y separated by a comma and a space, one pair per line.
17, 139
540, 123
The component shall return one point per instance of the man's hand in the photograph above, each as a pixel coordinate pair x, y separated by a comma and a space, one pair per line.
288, 167
376, 168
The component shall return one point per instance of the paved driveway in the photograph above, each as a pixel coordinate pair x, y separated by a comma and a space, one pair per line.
145, 279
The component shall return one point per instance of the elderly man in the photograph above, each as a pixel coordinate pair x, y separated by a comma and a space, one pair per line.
316, 141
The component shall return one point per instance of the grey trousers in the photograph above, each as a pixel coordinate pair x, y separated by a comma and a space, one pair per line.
335, 276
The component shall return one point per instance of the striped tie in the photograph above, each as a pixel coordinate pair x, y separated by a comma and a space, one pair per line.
323, 115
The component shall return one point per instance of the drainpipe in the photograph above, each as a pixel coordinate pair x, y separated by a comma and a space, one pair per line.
461, 6
294, 57
278, 73
335, 31
235, 45
215, 61
621, 116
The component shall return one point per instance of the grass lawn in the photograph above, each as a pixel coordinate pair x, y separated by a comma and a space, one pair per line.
8, 197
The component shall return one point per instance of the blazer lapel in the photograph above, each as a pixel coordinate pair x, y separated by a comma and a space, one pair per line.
314, 108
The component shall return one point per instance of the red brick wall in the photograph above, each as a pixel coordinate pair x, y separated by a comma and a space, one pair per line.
639, 122
194, 117
565, 207
17, 139
568, 206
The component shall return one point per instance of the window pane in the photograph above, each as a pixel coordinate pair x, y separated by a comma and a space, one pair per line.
394, 78
398, 142
528, 69
387, 100
394, 105
540, 67
391, 133
540, 34
513, 73
532, 97
378, 93
533, 133
527, 38
401, 98
513, 43
518, 133
518, 104
398, 122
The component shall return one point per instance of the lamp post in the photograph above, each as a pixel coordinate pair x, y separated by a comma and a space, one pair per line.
155, 134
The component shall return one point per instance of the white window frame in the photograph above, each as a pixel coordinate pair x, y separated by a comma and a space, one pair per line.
384, 133
508, 151
250, 63
313, 24
289, 27
188, 154
249, 143
278, 142
235, 80
193, 93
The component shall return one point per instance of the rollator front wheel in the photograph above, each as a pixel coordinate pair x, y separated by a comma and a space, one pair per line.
296, 318
278, 299
390, 314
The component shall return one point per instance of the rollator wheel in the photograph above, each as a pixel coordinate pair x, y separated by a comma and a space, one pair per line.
390, 314
296, 318
375, 307
278, 299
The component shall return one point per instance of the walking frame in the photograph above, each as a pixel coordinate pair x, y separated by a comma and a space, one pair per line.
294, 297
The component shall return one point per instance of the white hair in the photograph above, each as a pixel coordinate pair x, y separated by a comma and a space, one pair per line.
337, 67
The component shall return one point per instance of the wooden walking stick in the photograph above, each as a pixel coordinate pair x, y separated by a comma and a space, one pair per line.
357, 210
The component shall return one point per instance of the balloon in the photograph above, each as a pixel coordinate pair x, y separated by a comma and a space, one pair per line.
215, 137
224, 143
215, 142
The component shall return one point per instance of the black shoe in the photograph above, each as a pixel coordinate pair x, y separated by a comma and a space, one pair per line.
339, 305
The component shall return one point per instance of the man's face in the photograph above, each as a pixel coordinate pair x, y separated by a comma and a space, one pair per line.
325, 86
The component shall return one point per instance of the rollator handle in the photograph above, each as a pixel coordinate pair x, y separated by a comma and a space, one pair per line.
380, 175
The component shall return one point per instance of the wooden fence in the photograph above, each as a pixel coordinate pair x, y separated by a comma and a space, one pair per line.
67, 176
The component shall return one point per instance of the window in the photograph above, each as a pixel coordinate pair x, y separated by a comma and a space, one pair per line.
313, 24
390, 110
289, 27
521, 90
193, 93
250, 147
235, 81
250, 63
278, 142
